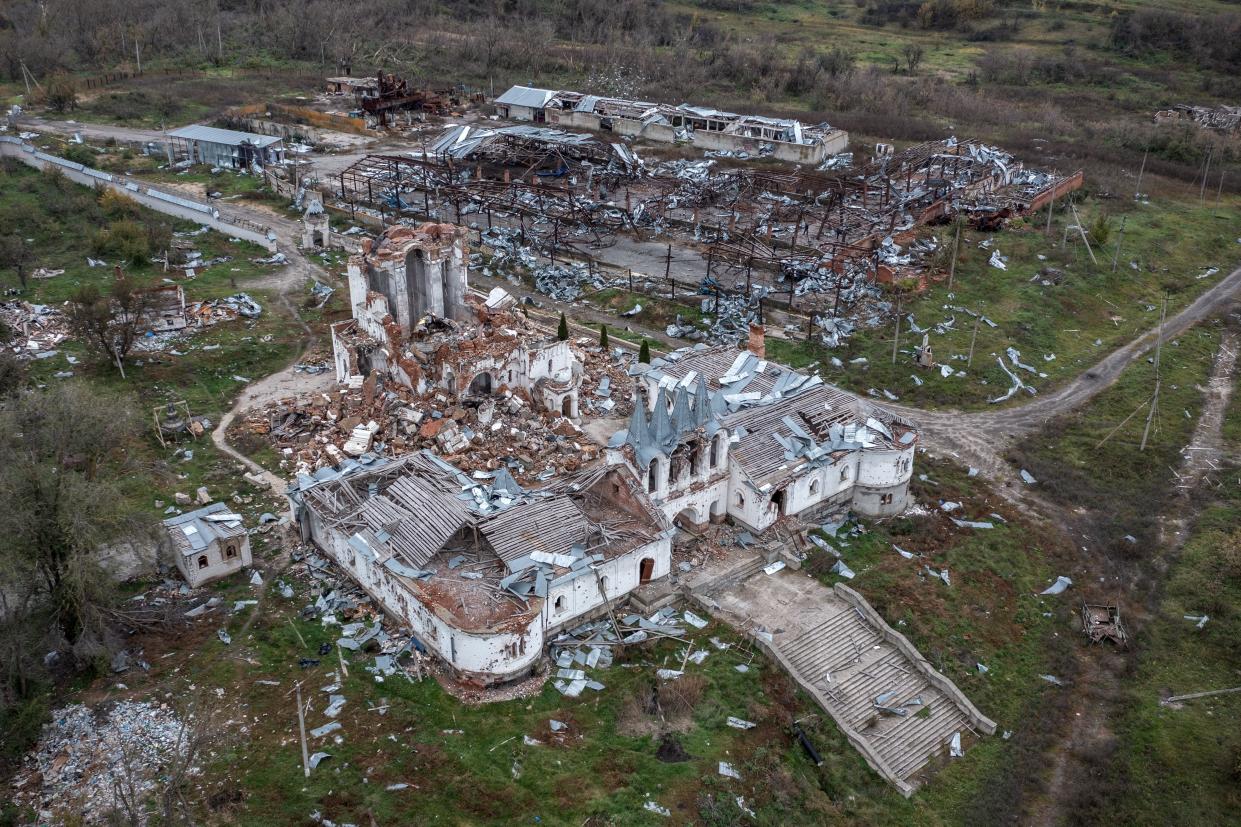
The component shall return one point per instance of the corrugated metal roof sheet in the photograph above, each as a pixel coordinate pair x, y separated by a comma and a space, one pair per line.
526, 96
229, 137
191, 532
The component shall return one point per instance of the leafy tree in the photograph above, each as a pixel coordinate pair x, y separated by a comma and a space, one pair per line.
16, 254
644, 352
126, 240
1100, 230
603, 336
562, 331
62, 92
58, 451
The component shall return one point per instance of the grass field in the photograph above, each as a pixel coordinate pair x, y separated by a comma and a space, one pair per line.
61, 220
1081, 314
465, 764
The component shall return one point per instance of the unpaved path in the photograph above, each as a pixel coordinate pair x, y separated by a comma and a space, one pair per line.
979, 438
1102, 671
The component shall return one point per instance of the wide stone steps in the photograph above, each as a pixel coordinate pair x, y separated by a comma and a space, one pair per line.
840, 642
864, 666
914, 741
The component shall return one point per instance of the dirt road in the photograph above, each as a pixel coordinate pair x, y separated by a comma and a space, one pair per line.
979, 438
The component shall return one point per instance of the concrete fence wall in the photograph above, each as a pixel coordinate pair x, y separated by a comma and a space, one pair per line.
161, 201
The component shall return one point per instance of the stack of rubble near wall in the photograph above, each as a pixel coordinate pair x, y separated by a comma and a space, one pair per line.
478, 434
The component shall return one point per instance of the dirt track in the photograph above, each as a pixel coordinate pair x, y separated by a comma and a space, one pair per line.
980, 438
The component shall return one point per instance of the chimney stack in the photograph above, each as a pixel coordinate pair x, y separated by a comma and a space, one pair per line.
758, 341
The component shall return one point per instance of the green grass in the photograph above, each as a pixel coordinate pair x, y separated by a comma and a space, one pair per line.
1091, 312
1120, 486
1183, 765
988, 615
61, 224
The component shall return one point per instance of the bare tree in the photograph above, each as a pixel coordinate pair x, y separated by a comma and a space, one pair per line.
17, 255
913, 56
110, 324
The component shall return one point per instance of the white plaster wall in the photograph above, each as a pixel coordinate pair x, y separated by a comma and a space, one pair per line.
698, 501
218, 565
882, 468
499, 655
623, 573
561, 360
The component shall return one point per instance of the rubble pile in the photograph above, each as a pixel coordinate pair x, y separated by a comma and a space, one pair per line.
322, 430
38, 329
84, 755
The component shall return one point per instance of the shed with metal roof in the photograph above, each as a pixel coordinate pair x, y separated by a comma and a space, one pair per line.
208, 544
226, 147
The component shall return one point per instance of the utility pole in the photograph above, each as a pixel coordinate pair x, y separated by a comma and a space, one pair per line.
896, 336
1205, 169
1082, 230
1119, 237
956, 246
973, 338
1051, 208
1150, 414
301, 726
1137, 191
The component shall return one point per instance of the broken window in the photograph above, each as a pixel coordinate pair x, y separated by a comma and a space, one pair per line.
740, 500
885, 499
844, 474
229, 552
559, 604
202, 561
814, 487
652, 478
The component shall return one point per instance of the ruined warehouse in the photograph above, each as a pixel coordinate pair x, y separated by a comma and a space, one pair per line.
706, 128
482, 571
732, 435
414, 323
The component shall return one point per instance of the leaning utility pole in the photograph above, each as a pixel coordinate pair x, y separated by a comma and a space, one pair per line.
1119, 237
896, 337
1150, 414
956, 246
973, 338
1137, 191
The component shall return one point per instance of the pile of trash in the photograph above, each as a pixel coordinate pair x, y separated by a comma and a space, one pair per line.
589, 646
38, 329
85, 755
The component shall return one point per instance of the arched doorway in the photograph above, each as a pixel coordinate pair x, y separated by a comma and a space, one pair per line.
566, 406
646, 570
480, 385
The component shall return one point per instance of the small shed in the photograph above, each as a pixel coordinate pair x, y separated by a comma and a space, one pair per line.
226, 147
209, 543
524, 103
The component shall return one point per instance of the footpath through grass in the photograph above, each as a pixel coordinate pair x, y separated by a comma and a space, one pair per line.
1090, 461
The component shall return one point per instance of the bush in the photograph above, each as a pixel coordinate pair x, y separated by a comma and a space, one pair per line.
115, 205
79, 154
126, 240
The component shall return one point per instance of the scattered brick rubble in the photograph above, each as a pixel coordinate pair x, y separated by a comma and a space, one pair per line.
319, 430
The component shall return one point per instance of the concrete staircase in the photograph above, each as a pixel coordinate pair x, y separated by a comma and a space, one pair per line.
895, 709
851, 664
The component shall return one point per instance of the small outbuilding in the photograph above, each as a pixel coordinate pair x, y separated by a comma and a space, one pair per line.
226, 147
209, 543
524, 103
